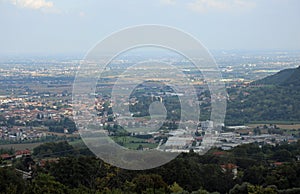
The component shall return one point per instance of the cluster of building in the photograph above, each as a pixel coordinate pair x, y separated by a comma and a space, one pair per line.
17, 154
183, 140
21, 117
17, 133
229, 140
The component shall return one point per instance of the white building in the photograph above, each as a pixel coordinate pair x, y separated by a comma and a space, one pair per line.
207, 125
179, 142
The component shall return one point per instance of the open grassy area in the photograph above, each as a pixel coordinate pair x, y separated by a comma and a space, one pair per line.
126, 141
134, 146
288, 126
77, 143
21, 146
133, 142
273, 122
294, 126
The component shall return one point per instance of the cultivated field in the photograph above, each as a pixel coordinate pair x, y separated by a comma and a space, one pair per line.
20, 146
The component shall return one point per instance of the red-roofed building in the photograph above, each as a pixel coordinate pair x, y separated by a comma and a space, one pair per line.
5, 156
230, 167
219, 153
43, 162
21, 153
277, 164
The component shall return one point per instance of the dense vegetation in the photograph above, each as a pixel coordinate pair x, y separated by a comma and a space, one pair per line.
286, 77
268, 103
274, 98
260, 169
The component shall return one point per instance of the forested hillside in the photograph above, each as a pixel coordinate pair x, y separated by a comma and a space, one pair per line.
274, 98
249, 168
286, 77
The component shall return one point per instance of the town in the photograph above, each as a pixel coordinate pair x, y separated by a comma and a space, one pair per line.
36, 106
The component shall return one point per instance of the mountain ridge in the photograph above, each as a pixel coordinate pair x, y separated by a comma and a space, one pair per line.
286, 77
276, 99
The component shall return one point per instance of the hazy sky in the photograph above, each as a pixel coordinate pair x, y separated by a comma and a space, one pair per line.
74, 26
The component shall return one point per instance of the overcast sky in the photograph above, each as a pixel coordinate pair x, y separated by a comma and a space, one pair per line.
74, 26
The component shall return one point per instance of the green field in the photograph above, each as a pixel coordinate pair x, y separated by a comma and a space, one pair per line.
133, 142
21, 146
126, 141
77, 143
273, 122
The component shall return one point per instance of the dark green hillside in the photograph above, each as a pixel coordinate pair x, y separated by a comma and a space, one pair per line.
294, 79
269, 103
249, 168
285, 77
274, 98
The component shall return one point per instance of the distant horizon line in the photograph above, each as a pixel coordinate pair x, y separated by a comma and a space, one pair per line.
82, 54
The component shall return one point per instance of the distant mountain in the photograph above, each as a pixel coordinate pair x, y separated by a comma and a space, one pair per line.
287, 77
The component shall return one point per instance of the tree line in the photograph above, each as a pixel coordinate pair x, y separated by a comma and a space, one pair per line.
260, 169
